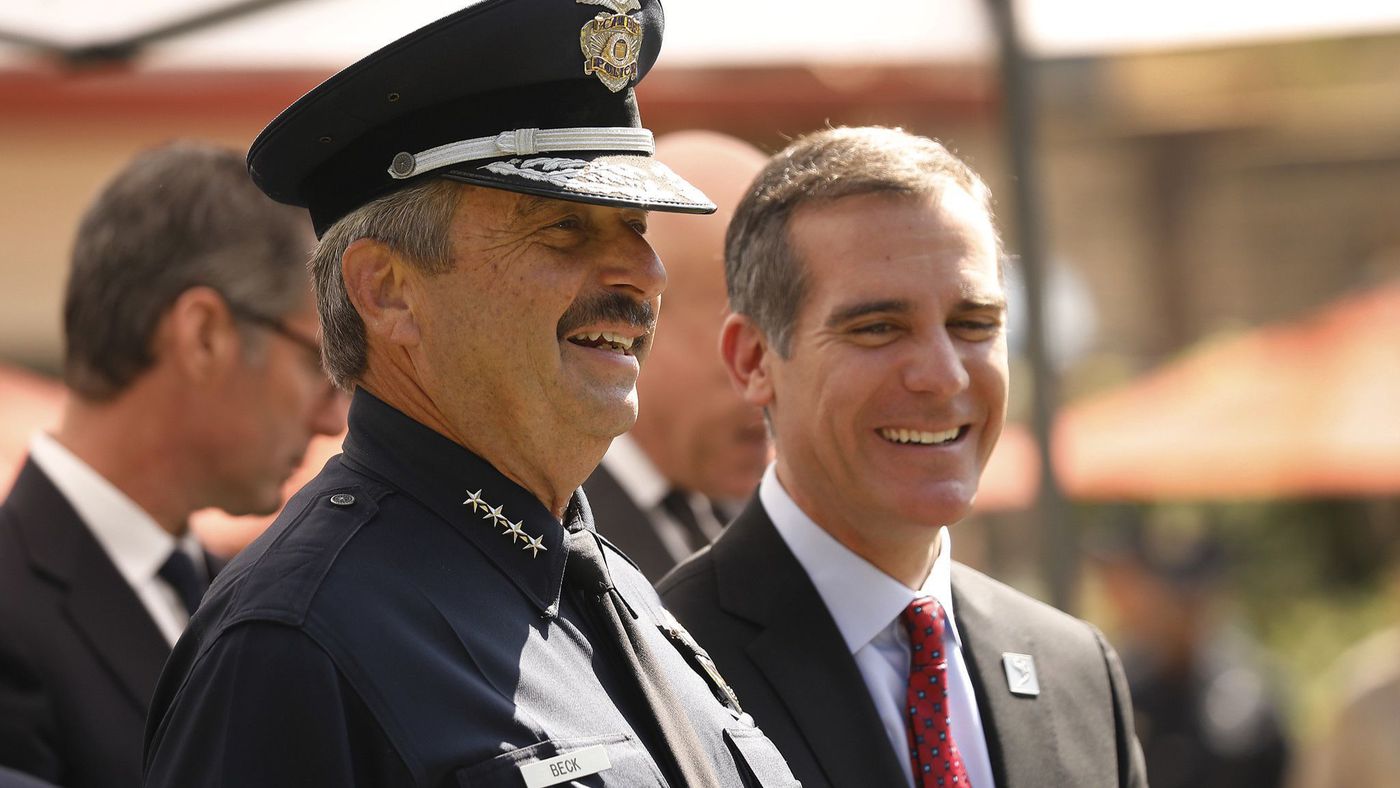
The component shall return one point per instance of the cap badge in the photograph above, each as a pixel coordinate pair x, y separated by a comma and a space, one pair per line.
515, 530
611, 43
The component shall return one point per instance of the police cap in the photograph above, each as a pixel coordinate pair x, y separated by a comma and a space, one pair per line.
530, 96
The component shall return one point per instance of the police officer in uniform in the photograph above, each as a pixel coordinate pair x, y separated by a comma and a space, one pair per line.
436, 608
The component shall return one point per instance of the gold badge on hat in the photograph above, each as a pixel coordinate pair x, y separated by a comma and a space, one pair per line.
611, 43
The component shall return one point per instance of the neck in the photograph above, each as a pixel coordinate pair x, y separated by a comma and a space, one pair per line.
904, 551
128, 441
550, 473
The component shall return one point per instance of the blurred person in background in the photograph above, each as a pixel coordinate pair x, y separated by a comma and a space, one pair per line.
194, 380
1205, 709
666, 488
1361, 747
865, 278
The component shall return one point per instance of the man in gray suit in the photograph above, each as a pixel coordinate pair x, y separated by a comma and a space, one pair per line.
864, 273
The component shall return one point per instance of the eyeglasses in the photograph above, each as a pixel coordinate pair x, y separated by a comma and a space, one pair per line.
275, 325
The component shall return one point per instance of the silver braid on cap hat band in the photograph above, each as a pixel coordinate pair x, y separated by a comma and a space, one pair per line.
524, 142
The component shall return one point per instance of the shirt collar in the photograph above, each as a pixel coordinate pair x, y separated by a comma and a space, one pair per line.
862, 600
635, 473
134, 541
447, 478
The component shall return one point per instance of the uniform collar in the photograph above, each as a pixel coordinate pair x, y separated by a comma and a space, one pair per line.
862, 600
468, 493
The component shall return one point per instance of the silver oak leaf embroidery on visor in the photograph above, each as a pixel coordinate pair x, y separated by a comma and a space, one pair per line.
597, 178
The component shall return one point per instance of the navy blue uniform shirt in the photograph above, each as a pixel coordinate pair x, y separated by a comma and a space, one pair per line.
385, 632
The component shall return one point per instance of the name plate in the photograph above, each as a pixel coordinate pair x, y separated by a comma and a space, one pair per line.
569, 766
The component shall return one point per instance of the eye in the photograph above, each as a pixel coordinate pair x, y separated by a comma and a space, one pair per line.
567, 223
873, 329
874, 334
976, 330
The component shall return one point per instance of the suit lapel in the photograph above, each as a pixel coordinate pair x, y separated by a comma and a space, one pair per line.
103, 609
1020, 731
802, 654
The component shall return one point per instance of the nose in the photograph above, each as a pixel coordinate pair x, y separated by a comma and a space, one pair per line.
937, 366
634, 266
329, 412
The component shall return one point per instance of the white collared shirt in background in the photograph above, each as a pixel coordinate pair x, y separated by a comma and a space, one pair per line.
644, 484
866, 604
135, 543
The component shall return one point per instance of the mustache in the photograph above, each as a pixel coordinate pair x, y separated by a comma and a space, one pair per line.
608, 307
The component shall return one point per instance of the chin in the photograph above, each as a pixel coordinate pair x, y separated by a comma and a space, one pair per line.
610, 421
937, 507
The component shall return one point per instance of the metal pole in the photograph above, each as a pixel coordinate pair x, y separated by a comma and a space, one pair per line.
1060, 537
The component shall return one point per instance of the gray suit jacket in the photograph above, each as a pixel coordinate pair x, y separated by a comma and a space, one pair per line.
752, 606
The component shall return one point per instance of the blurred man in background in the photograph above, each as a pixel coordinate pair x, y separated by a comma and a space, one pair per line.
666, 489
194, 375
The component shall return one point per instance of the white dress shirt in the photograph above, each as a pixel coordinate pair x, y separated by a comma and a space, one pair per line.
644, 484
866, 604
135, 543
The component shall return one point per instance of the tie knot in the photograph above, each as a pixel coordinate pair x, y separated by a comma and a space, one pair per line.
182, 575
584, 567
923, 620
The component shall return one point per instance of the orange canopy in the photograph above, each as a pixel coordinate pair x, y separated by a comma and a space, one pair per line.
1304, 408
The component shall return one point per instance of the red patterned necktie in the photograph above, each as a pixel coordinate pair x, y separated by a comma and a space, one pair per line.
937, 762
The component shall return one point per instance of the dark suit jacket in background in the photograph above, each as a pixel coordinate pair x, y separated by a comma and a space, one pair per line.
752, 606
79, 654
627, 526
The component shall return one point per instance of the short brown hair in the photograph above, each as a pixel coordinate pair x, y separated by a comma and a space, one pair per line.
762, 271
180, 216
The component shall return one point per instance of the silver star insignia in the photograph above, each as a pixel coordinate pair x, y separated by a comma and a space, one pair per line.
534, 544
493, 513
474, 500
516, 531
616, 6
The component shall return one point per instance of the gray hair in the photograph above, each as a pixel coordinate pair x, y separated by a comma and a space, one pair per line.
414, 221
763, 273
180, 216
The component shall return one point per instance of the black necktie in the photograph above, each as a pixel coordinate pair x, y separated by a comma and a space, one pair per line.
586, 572
677, 504
180, 572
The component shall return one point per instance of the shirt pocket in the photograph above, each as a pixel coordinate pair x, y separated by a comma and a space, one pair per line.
758, 760
631, 765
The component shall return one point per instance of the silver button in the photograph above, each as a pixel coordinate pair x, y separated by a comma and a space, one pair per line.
403, 165
342, 499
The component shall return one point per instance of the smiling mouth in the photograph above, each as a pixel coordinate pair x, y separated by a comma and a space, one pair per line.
607, 340
906, 437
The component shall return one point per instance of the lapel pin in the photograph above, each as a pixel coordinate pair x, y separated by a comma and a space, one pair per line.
1020, 674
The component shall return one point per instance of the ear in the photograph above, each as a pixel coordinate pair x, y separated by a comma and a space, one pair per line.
377, 280
198, 335
747, 355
